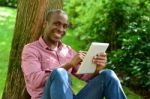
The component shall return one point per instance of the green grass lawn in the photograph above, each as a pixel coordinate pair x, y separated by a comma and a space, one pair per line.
7, 22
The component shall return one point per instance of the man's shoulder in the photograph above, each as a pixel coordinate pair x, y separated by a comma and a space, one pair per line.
33, 46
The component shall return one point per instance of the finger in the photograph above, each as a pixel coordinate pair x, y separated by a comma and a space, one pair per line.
83, 52
101, 54
100, 58
99, 61
81, 56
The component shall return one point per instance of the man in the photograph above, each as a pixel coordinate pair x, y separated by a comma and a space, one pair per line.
47, 62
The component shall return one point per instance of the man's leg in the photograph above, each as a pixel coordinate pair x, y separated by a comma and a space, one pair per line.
105, 84
58, 86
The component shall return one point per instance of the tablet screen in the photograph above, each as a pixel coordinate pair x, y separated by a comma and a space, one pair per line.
87, 66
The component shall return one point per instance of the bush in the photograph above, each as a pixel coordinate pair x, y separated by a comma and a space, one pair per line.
9, 3
122, 23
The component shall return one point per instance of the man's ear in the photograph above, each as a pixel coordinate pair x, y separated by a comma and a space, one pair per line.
45, 24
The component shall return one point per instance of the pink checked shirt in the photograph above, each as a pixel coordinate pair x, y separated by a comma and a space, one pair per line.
38, 60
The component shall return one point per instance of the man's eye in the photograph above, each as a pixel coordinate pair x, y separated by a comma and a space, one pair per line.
57, 24
65, 26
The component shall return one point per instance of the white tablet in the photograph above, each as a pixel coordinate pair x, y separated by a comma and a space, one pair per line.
87, 66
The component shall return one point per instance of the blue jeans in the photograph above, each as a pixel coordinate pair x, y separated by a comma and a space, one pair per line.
106, 84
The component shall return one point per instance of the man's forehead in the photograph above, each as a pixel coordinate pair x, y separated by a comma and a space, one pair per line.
54, 15
59, 17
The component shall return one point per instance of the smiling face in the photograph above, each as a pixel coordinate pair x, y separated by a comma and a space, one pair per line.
55, 27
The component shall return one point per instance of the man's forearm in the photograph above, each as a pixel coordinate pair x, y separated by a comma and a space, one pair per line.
67, 66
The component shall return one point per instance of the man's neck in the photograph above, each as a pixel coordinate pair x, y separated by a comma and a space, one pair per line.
52, 45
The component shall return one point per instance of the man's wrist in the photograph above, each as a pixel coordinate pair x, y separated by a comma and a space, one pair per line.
67, 66
96, 72
70, 64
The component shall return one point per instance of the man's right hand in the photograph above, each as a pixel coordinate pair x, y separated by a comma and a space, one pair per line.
78, 58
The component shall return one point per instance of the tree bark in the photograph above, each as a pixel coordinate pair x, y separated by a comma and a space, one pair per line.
28, 27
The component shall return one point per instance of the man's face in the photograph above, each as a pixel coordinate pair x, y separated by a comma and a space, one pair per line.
56, 28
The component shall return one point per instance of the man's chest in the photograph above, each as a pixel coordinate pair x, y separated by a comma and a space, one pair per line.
52, 59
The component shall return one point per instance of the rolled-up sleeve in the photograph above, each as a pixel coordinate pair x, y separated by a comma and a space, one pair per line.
31, 67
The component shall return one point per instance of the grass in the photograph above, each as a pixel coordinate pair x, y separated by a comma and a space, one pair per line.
7, 22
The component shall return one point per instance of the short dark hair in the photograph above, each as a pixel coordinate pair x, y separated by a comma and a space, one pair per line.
50, 12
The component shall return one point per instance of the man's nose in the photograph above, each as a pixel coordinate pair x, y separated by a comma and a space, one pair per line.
61, 28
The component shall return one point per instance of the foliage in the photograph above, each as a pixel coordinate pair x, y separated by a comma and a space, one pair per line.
122, 23
9, 3
133, 57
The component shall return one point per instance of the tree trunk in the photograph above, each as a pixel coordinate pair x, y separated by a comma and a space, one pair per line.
28, 27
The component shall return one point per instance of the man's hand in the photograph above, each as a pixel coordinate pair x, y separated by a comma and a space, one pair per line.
100, 61
78, 58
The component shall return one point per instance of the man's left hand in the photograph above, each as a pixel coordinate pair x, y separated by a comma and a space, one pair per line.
100, 61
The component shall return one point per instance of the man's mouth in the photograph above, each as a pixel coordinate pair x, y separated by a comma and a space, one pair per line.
58, 35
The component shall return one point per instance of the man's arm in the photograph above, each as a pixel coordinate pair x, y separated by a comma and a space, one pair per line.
35, 77
77, 59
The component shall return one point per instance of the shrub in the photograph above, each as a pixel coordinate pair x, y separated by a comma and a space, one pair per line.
122, 23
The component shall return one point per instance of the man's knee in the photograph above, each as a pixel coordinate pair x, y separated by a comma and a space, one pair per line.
60, 73
110, 74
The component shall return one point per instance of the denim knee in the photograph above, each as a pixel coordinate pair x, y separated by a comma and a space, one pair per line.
60, 73
110, 74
